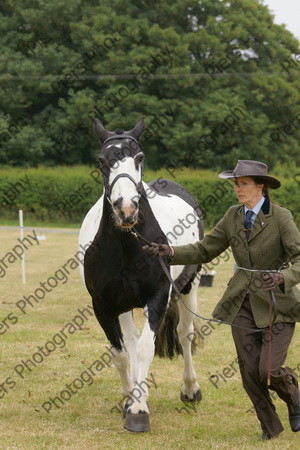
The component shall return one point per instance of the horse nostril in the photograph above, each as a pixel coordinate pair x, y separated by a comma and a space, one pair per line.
117, 204
134, 204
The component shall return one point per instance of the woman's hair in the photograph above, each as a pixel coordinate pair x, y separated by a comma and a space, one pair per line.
265, 189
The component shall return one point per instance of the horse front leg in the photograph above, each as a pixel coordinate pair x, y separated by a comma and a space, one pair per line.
119, 353
131, 337
120, 361
137, 418
190, 390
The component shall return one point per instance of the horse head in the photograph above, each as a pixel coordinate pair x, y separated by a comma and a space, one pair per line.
121, 163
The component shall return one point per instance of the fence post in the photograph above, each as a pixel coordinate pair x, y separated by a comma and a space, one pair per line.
22, 244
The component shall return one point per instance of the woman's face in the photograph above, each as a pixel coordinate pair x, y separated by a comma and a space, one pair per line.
247, 191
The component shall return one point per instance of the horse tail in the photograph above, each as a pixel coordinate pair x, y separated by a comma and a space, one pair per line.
167, 343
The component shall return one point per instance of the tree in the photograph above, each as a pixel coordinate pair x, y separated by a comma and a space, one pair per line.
216, 80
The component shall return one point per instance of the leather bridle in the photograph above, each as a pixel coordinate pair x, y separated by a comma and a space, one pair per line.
108, 187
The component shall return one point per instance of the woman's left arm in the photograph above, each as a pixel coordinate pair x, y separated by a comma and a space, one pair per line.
290, 238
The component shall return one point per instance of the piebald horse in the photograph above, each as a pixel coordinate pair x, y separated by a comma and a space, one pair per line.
120, 277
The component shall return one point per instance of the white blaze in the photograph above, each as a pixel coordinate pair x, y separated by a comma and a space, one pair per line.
124, 187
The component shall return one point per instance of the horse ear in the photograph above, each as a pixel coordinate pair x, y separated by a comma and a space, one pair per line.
100, 131
138, 129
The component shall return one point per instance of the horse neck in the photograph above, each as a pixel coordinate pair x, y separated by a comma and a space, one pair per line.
107, 214
148, 224
145, 209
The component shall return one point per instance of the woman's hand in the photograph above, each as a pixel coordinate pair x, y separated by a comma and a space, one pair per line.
272, 280
162, 250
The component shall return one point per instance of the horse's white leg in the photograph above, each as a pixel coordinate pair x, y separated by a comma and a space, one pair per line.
120, 360
127, 373
137, 417
131, 336
145, 354
190, 390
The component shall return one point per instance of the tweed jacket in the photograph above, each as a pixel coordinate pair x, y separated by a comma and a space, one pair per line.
273, 241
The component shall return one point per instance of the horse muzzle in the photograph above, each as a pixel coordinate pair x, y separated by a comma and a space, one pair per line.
126, 216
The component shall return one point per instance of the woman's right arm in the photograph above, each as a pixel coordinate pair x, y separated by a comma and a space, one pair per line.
212, 245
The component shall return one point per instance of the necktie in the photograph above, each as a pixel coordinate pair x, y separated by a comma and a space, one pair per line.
248, 223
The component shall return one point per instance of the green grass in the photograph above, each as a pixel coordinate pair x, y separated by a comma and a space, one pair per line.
223, 420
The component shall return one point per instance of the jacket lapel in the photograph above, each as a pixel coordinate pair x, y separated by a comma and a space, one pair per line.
262, 219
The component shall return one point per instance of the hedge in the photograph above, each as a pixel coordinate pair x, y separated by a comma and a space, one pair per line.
65, 194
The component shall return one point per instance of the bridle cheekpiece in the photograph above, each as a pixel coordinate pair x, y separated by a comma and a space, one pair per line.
121, 135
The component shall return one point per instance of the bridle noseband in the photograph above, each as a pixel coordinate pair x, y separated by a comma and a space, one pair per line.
123, 175
108, 187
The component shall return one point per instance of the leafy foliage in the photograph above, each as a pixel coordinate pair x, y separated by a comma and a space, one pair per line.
65, 194
216, 80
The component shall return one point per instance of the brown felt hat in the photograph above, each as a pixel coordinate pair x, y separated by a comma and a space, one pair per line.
249, 168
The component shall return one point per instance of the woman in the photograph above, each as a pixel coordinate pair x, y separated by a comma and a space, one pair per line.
263, 238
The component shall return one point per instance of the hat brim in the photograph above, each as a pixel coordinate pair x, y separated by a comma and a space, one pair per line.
271, 182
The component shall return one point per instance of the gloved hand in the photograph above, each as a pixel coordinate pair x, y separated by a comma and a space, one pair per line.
272, 280
162, 250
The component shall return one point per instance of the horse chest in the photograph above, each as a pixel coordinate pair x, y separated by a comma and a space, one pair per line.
116, 276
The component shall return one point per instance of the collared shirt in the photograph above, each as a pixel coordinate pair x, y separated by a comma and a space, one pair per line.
255, 209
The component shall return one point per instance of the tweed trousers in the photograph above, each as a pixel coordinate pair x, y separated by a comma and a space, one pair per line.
252, 350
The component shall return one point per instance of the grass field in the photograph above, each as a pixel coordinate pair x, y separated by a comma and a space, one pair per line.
223, 420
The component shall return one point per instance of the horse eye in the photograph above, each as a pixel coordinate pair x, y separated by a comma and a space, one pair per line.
101, 161
139, 158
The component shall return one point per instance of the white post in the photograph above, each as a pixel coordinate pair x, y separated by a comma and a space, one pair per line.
21, 239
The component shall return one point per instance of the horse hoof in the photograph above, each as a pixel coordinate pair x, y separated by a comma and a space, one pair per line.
197, 397
126, 407
137, 422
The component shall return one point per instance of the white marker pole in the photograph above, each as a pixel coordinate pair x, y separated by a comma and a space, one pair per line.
21, 239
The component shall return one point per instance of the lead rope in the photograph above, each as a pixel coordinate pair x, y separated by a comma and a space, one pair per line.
271, 321
138, 236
